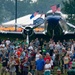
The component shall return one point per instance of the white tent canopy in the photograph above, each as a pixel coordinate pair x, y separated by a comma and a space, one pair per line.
25, 20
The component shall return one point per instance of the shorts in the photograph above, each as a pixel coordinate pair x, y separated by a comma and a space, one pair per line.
47, 73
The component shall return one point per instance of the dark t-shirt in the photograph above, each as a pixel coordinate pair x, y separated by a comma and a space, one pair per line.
25, 66
4, 62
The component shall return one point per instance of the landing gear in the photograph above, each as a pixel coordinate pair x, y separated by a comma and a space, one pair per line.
27, 33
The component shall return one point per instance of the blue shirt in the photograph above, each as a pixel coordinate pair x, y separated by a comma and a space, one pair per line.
40, 64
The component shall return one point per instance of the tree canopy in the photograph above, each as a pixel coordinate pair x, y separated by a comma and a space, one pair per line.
69, 8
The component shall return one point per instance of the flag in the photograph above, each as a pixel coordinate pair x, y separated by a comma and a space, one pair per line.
33, 15
58, 7
54, 7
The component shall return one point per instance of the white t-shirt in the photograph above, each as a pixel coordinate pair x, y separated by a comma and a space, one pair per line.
37, 57
8, 42
30, 47
2, 45
69, 52
47, 66
51, 62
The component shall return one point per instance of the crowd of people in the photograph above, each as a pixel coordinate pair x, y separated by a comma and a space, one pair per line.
39, 57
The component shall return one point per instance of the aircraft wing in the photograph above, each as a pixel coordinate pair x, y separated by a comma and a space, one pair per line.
36, 23
22, 24
67, 27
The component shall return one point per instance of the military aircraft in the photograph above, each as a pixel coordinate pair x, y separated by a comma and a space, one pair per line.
50, 23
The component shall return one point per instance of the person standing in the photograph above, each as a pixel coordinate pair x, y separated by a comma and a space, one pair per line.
11, 64
47, 68
40, 65
37, 55
4, 65
47, 57
26, 65
17, 63
7, 41
66, 62
51, 46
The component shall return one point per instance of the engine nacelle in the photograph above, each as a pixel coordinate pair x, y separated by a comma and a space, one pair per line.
28, 30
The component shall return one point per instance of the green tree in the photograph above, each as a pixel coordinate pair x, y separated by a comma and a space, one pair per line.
69, 8
44, 5
1, 7
5, 13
